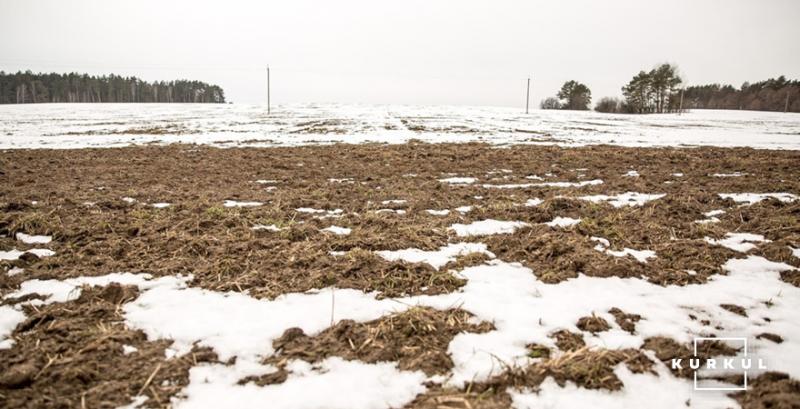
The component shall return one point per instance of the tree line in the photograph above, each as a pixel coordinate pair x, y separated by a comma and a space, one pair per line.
774, 94
660, 90
27, 87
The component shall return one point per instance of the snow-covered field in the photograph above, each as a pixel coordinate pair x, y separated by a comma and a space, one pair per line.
103, 125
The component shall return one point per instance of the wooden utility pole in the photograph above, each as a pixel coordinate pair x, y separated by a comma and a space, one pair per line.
528, 95
268, 102
680, 104
786, 104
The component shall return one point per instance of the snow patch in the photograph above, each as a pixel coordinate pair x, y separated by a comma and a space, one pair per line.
728, 175
437, 258
486, 227
397, 211
10, 317
128, 349
464, 209
534, 202
624, 199
741, 242
640, 255
458, 180
329, 213
340, 231
563, 222
267, 227
70, 289
753, 198
137, 402
14, 254
234, 203
29, 239
545, 184
333, 383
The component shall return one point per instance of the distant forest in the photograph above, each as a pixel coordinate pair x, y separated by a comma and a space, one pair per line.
769, 95
27, 87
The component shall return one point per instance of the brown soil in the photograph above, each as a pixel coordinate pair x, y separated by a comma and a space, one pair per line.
593, 324
68, 355
770, 391
417, 339
666, 349
736, 309
588, 368
568, 341
625, 321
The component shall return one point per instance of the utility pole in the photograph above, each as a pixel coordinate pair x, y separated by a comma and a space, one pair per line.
786, 104
680, 105
268, 104
528, 95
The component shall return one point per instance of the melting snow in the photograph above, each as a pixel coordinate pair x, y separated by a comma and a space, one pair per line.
710, 217
624, 199
546, 184
741, 242
161, 205
438, 258
444, 212
9, 319
15, 254
752, 198
234, 203
128, 349
464, 209
729, 175
333, 383
458, 180
632, 174
640, 255
523, 310
14, 271
563, 222
323, 213
533, 202
486, 227
341, 231
28, 239
137, 402
398, 211
70, 289
270, 227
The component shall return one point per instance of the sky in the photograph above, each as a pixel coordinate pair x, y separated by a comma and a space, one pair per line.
426, 52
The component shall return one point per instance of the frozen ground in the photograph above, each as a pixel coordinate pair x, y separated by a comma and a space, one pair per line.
103, 125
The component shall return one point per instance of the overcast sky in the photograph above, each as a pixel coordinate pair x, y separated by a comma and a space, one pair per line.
411, 52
